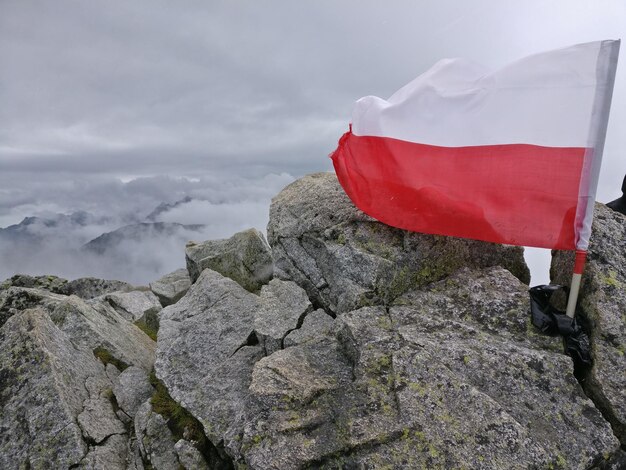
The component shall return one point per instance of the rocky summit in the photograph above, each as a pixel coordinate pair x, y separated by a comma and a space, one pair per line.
338, 343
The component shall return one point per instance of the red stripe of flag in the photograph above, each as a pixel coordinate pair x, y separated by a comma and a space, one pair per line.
517, 194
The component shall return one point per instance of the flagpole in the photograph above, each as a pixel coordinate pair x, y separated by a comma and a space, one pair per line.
579, 266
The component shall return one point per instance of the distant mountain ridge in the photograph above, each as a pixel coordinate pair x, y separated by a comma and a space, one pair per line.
165, 207
137, 233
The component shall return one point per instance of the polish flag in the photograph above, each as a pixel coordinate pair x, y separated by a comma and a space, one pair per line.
511, 156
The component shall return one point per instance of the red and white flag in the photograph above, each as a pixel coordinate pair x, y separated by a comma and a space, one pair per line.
511, 156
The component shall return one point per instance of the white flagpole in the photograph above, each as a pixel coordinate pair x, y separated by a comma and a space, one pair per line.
579, 266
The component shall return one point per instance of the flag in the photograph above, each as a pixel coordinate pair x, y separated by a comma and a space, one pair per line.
511, 156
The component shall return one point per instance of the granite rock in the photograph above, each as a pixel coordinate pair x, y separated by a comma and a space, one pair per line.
345, 260
602, 308
245, 257
171, 287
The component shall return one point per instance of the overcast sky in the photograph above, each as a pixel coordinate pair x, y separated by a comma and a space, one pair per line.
94, 94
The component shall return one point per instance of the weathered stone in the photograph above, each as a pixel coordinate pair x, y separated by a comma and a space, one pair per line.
171, 287
206, 351
135, 305
85, 288
16, 299
245, 257
53, 396
283, 308
134, 460
132, 389
602, 306
110, 455
91, 287
155, 440
95, 325
190, 457
451, 375
50, 283
112, 372
316, 325
345, 259
98, 420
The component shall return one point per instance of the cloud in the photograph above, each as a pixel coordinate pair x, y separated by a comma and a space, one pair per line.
223, 205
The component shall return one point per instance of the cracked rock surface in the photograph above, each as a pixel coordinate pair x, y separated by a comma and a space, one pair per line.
57, 404
53, 396
602, 307
344, 259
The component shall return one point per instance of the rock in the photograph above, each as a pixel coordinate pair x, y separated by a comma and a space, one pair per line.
602, 306
346, 260
54, 407
90, 287
135, 305
155, 440
111, 455
316, 325
132, 389
16, 299
449, 375
189, 457
50, 283
171, 287
85, 288
245, 257
98, 420
284, 306
440, 383
206, 351
96, 326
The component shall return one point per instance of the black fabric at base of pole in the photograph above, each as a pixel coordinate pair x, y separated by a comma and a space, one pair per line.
553, 321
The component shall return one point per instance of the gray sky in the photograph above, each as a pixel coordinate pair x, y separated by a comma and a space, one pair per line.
94, 92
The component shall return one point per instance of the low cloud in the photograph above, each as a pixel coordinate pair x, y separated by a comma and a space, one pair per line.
222, 206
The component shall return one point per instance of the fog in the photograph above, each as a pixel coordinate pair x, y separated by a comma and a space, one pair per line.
222, 206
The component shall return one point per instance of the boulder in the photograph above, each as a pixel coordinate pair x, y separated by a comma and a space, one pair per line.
132, 389
171, 287
602, 308
16, 299
284, 306
96, 326
135, 305
449, 375
155, 440
91, 287
245, 257
345, 260
85, 288
449, 378
140, 307
190, 457
206, 351
55, 402
50, 283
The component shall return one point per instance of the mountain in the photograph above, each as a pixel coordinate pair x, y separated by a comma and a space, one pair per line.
339, 343
141, 233
35, 229
164, 207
